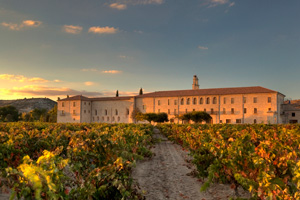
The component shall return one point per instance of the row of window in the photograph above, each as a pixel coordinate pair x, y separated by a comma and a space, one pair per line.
116, 112
207, 100
237, 121
232, 111
107, 119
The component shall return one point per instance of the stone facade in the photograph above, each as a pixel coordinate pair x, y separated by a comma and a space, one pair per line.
225, 105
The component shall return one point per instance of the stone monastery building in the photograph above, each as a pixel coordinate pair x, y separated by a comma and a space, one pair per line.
236, 105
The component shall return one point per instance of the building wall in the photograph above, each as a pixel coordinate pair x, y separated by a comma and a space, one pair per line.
290, 114
68, 111
238, 108
267, 112
112, 111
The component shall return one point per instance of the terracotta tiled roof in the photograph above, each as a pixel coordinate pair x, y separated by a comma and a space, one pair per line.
111, 98
77, 97
175, 93
83, 98
213, 91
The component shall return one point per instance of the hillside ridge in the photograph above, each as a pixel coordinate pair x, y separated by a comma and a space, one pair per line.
26, 105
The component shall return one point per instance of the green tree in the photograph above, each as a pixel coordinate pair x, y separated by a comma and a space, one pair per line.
117, 93
161, 117
137, 115
199, 116
141, 91
9, 114
150, 117
52, 115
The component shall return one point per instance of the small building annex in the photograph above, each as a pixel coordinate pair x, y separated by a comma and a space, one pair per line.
226, 105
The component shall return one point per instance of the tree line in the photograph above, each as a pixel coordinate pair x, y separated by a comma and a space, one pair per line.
195, 116
11, 114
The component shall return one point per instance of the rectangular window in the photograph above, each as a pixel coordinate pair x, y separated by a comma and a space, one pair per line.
144, 107
228, 121
96, 112
232, 110
212, 111
168, 111
84, 111
254, 99
254, 121
269, 99
245, 110
158, 102
84, 103
224, 111
158, 110
175, 111
185, 110
62, 104
232, 100
293, 114
269, 109
74, 112
175, 102
224, 100
221, 121
245, 99
194, 110
62, 112
168, 102
255, 110
74, 104
204, 110
238, 121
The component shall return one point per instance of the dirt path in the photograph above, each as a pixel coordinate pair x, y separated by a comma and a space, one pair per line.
166, 176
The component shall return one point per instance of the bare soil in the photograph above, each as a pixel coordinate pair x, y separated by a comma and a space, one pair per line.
168, 175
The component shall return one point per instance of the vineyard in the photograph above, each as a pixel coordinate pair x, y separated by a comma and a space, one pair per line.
263, 159
71, 161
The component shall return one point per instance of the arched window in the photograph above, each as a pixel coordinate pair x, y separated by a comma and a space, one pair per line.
215, 100
207, 100
96, 112
103, 119
107, 118
188, 101
201, 100
105, 112
113, 119
119, 119
116, 111
194, 101
127, 111
182, 101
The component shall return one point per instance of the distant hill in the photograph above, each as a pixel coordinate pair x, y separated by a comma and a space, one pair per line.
26, 105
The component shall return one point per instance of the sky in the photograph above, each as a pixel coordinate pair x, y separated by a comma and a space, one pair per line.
54, 48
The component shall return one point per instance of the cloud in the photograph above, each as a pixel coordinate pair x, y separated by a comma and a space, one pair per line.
72, 29
111, 72
89, 83
202, 47
89, 70
26, 23
31, 23
21, 78
35, 90
57, 81
142, 2
122, 4
214, 3
103, 30
118, 6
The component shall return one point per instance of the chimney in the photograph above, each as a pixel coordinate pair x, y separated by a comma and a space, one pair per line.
195, 83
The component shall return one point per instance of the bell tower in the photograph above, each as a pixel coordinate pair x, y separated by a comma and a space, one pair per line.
195, 83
